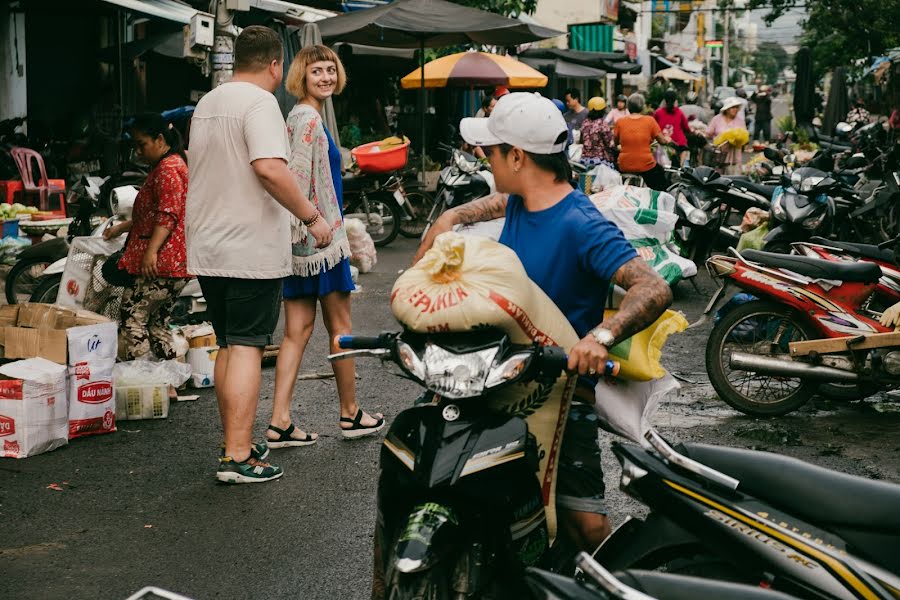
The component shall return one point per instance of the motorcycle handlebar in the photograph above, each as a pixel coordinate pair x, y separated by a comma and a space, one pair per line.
362, 342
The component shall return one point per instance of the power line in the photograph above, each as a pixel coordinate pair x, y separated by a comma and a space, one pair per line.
726, 9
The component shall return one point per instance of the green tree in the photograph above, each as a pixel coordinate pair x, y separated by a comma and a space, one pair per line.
769, 60
509, 8
840, 31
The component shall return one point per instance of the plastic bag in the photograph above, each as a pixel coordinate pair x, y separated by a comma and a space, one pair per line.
639, 355
754, 240
627, 406
604, 177
362, 249
144, 372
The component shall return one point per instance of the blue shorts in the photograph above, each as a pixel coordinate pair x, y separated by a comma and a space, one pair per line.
336, 279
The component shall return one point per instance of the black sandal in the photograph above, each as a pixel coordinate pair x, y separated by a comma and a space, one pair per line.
358, 429
286, 441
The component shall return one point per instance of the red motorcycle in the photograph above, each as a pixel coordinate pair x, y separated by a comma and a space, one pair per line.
887, 293
794, 298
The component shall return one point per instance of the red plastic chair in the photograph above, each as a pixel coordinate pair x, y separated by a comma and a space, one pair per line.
25, 159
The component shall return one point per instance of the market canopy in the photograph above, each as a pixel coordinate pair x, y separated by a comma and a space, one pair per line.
564, 68
469, 69
432, 23
675, 74
611, 62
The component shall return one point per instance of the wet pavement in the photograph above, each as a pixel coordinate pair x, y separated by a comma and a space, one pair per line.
140, 507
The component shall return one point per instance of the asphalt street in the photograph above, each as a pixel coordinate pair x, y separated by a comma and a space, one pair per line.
141, 507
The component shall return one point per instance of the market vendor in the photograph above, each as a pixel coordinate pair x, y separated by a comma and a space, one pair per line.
155, 253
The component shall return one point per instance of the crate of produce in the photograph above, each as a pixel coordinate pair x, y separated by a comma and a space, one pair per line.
142, 402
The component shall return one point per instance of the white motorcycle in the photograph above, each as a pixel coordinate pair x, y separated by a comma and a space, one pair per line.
190, 307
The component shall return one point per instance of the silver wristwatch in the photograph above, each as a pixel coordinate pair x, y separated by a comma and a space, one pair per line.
604, 337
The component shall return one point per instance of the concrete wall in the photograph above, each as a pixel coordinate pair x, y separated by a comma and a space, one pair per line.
559, 14
13, 88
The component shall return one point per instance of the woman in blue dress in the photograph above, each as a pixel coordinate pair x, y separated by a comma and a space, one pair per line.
321, 275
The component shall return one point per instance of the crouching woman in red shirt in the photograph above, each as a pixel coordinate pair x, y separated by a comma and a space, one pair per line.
155, 252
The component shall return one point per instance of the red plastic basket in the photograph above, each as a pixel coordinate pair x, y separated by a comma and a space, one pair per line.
371, 159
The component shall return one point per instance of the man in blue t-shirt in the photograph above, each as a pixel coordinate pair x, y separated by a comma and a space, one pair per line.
573, 253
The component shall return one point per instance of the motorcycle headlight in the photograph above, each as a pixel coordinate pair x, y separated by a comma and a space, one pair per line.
808, 183
508, 370
692, 213
457, 376
411, 361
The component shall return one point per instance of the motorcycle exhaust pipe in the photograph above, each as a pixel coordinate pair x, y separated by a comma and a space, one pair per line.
788, 368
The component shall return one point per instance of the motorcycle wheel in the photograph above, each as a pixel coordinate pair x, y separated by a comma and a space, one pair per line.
23, 279
420, 205
748, 328
47, 290
778, 247
432, 584
382, 220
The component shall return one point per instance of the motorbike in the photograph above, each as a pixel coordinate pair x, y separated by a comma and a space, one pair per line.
706, 203
757, 518
386, 205
463, 180
190, 307
459, 504
795, 298
599, 584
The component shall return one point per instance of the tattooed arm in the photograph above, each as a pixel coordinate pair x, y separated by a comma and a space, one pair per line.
647, 296
484, 209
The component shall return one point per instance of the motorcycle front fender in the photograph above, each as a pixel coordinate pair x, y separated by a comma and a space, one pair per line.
56, 268
430, 533
51, 250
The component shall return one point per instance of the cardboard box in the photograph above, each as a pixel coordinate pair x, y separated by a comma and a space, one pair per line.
142, 402
92, 356
33, 410
203, 341
40, 330
9, 315
45, 316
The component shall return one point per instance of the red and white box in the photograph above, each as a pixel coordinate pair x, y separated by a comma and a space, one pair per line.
33, 411
92, 356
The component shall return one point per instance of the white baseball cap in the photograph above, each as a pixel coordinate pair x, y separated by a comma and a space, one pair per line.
527, 121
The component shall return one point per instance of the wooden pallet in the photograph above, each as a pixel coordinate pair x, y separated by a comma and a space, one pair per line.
844, 344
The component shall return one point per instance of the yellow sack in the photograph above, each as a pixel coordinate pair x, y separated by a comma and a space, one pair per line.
639, 355
467, 282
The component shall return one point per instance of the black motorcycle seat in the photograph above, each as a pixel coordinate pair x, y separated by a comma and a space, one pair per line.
813, 493
758, 188
680, 587
864, 250
861, 272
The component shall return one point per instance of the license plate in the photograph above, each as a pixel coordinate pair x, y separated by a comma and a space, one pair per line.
399, 197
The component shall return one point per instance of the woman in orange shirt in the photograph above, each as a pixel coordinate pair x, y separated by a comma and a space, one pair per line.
635, 132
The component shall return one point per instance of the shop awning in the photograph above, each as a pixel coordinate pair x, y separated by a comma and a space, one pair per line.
564, 68
170, 10
298, 12
611, 62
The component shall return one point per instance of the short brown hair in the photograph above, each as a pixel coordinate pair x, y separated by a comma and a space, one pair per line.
256, 48
296, 77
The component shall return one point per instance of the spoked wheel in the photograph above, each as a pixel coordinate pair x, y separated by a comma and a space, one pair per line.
381, 218
23, 279
766, 329
47, 290
420, 205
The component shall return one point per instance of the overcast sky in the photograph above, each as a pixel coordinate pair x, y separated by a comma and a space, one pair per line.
784, 30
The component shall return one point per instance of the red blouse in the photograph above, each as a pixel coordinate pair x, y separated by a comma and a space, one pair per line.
160, 202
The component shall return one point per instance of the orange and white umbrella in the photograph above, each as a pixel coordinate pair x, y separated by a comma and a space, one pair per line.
475, 69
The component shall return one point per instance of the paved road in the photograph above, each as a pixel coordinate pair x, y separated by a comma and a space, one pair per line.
140, 506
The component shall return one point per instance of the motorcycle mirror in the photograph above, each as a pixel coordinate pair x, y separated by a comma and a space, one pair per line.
772, 154
843, 128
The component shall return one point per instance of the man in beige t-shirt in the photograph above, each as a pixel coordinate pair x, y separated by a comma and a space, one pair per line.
240, 193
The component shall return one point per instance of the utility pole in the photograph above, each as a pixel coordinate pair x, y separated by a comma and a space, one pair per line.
726, 13
222, 56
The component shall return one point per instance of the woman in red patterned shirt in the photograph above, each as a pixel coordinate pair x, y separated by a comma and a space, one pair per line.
155, 252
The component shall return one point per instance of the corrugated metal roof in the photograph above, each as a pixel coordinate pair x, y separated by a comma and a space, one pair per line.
162, 9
